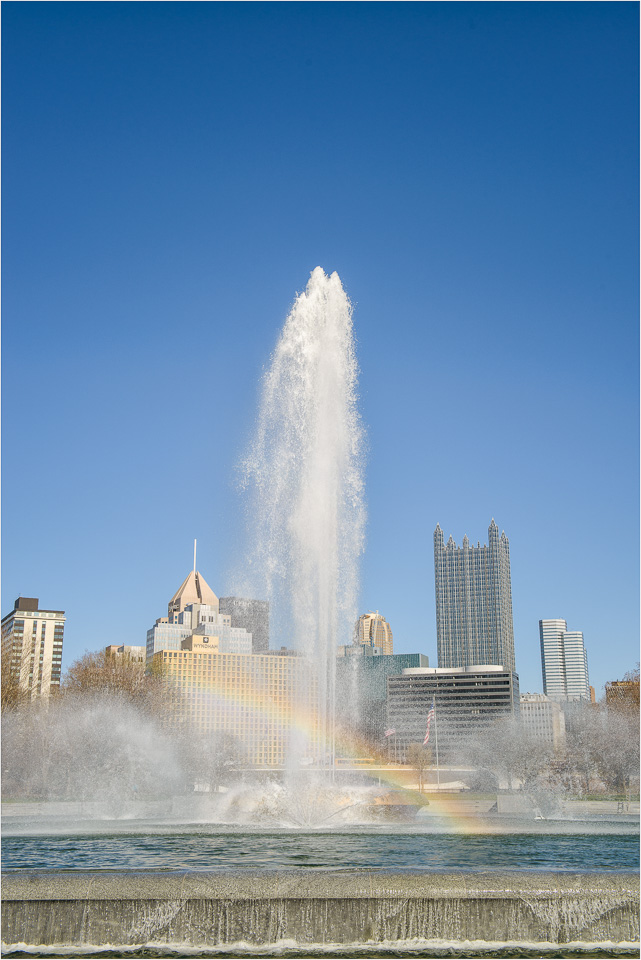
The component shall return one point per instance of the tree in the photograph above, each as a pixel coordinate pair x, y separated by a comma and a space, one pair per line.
12, 694
102, 672
208, 759
101, 746
509, 751
584, 744
617, 750
420, 758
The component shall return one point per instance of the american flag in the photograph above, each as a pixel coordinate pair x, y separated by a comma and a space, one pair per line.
430, 717
388, 733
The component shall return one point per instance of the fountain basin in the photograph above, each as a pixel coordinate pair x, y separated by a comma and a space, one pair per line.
213, 910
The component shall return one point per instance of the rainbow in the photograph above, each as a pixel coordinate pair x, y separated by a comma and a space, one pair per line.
289, 715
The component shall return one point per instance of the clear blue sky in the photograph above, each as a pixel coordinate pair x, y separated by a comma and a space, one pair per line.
172, 174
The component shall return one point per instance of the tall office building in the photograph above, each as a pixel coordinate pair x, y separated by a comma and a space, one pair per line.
32, 644
564, 661
250, 615
194, 611
467, 701
373, 630
361, 688
474, 602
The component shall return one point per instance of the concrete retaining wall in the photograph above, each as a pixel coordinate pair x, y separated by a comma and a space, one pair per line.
206, 910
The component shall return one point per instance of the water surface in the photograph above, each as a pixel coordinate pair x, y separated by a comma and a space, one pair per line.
208, 849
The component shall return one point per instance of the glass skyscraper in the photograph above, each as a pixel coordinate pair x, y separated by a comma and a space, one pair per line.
474, 601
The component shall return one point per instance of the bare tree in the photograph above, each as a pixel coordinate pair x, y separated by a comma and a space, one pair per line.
509, 751
14, 667
101, 672
420, 758
12, 694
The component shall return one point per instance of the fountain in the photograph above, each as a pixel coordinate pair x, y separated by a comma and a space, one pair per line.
304, 477
302, 864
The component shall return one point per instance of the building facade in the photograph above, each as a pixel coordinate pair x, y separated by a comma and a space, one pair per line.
474, 602
373, 630
622, 696
361, 688
194, 610
543, 719
32, 643
564, 662
466, 701
137, 654
262, 701
249, 615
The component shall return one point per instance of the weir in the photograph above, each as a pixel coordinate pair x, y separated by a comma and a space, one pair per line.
209, 910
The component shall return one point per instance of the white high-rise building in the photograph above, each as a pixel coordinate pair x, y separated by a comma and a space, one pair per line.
32, 645
564, 661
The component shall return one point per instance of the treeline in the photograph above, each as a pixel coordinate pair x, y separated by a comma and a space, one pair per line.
600, 755
107, 735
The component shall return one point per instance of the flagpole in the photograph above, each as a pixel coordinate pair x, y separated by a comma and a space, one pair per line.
438, 775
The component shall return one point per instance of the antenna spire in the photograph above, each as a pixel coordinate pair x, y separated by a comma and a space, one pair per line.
195, 542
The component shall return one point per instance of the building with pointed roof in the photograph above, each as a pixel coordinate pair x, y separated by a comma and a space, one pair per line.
194, 611
474, 601
193, 589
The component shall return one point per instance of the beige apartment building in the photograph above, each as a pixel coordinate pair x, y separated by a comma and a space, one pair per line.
373, 630
263, 700
32, 644
137, 654
543, 719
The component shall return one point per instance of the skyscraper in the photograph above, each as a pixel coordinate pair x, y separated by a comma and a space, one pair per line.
251, 615
474, 601
373, 630
32, 644
564, 661
194, 611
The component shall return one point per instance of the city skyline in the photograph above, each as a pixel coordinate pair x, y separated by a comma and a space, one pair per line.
173, 173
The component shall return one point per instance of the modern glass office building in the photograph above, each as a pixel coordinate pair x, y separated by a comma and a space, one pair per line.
361, 688
474, 601
564, 661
